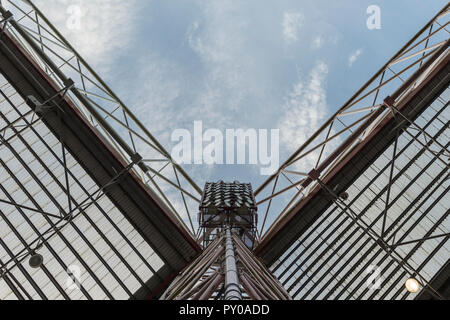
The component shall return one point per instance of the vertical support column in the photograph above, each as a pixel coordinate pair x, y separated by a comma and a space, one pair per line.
232, 290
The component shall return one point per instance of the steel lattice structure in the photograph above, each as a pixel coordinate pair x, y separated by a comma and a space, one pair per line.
357, 207
84, 183
227, 270
101, 106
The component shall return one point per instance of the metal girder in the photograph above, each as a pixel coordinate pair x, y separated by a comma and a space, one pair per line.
315, 256
76, 148
388, 123
226, 270
321, 250
102, 108
325, 149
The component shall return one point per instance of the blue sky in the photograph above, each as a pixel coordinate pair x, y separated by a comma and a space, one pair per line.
237, 64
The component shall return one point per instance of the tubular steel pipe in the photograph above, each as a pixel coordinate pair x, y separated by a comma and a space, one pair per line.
232, 289
212, 286
250, 290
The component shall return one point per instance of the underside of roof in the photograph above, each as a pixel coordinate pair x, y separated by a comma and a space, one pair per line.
60, 179
396, 184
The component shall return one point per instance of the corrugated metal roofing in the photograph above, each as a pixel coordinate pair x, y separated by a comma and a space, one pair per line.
333, 257
113, 259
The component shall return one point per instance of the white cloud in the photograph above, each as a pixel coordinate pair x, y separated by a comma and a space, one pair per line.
218, 39
318, 42
105, 26
292, 22
155, 92
305, 110
354, 56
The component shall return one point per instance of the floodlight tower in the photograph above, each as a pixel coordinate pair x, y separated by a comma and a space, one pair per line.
227, 269
228, 205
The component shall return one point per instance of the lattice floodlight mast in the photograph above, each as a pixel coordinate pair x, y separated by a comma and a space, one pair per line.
227, 268
228, 204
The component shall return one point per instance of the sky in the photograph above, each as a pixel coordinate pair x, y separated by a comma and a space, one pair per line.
286, 65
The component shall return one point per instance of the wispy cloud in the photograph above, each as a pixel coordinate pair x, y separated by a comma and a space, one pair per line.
305, 110
292, 22
154, 94
354, 56
105, 26
218, 38
318, 42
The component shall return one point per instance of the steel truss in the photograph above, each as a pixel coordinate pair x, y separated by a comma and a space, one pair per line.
351, 124
103, 108
227, 270
47, 199
394, 216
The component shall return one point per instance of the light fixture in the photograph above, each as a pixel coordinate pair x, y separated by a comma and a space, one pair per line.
412, 285
36, 260
343, 195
